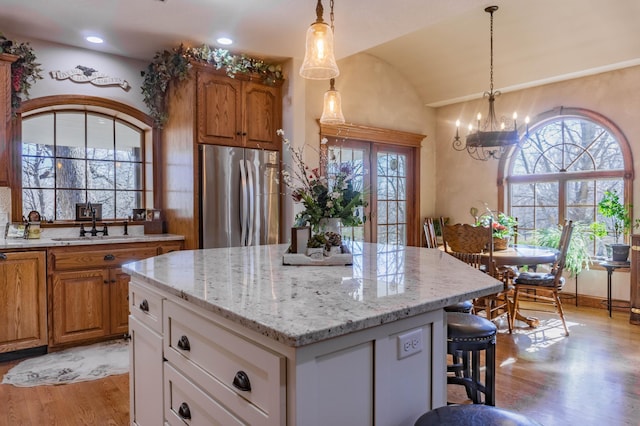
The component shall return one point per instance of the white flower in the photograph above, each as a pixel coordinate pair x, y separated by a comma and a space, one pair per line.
280, 132
324, 141
335, 194
329, 204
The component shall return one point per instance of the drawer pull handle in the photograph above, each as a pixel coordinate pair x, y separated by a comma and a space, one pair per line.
241, 381
3, 256
184, 411
183, 343
109, 257
144, 305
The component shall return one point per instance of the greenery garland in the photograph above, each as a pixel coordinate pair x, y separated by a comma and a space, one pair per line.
173, 65
24, 71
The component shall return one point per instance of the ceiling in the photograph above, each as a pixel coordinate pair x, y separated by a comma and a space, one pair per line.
441, 46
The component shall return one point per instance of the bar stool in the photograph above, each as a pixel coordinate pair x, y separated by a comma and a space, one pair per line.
467, 336
473, 415
465, 307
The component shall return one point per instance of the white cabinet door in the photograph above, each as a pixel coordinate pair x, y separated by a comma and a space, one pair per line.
145, 375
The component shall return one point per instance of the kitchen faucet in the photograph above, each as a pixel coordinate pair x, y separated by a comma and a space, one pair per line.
94, 232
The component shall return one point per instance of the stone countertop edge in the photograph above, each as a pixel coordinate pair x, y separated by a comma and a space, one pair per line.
6, 244
313, 334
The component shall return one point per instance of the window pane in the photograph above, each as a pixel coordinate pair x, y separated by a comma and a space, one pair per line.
70, 173
128, 175
66, 201
70, 135
37, 135
100, 143
126, 201
382, 212
107, 199
40, 200
38, 172
101, 174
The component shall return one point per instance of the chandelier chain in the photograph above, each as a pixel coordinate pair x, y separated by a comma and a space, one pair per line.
331, 16
491, 60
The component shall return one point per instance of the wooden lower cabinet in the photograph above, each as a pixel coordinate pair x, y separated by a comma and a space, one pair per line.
23, 303
89, 291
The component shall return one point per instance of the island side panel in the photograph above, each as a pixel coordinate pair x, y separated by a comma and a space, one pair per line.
362, 378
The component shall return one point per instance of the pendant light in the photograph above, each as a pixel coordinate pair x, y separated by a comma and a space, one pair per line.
332, 110
319, 59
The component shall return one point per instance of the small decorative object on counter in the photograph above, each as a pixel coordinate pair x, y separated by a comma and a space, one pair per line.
334, 243
300, 236
16, 230
315, 246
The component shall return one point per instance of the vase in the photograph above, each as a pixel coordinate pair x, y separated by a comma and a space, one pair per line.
500, 243
329, 224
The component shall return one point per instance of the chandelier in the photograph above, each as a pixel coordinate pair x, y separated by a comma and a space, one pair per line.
319, 60
490, 140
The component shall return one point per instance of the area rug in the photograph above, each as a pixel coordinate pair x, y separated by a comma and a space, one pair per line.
72, 365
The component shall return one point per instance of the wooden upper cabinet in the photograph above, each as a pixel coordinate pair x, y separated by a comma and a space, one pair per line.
234, 112
5, 116
219, 109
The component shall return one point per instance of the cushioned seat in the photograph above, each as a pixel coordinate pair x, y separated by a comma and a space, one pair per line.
473, 415
541, 279
467, 336
464, 307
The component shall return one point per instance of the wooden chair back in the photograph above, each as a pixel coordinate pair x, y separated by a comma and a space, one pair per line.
430, 233
464, 240
563, 247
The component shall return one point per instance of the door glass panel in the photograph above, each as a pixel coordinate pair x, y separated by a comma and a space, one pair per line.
392, 181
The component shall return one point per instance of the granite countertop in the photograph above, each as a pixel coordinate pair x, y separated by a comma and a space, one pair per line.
300, 305
63, 241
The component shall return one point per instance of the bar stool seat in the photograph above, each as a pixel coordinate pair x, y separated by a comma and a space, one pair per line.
473, 415
467, 336
465, 306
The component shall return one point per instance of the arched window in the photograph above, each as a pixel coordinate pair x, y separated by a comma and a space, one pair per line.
562, 168
74, 150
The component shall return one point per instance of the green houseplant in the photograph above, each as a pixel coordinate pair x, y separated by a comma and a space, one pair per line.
617, 220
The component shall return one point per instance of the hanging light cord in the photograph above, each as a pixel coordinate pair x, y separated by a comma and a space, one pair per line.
491, 50
331, 17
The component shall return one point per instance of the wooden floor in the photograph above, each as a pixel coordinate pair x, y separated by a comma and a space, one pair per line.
589, 378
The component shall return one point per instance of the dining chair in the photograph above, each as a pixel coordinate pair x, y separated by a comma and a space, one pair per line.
545, 286
474, 246
430, 233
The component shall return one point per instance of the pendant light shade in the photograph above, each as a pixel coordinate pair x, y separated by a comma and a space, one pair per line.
332, 110
319, 58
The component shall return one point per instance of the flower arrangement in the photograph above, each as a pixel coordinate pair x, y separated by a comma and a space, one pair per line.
504, 226
175, 65
323, 195
24, 71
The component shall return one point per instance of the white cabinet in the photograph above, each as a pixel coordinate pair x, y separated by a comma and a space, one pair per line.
145, 356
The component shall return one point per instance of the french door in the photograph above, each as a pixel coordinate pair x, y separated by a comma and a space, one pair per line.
386, 175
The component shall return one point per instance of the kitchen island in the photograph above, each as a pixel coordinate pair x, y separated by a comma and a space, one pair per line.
233, 336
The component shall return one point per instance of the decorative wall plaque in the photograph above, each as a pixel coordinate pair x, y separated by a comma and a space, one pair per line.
82, 74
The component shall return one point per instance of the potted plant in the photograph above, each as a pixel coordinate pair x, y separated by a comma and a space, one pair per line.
504, 227
316, 245
618, 221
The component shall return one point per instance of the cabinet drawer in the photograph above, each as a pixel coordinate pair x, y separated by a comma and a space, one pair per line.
196, 345
100, 258
185, 403
146, 306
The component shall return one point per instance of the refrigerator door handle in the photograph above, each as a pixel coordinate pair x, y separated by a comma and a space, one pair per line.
243, 203
252, 211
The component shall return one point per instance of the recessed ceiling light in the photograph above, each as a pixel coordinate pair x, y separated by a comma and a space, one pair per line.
94, 39
225, 41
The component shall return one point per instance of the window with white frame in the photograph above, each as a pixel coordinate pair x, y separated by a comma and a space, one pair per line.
563, 167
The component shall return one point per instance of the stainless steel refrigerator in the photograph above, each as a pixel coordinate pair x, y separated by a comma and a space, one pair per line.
240, 195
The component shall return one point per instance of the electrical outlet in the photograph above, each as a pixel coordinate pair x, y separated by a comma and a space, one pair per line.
409, 343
